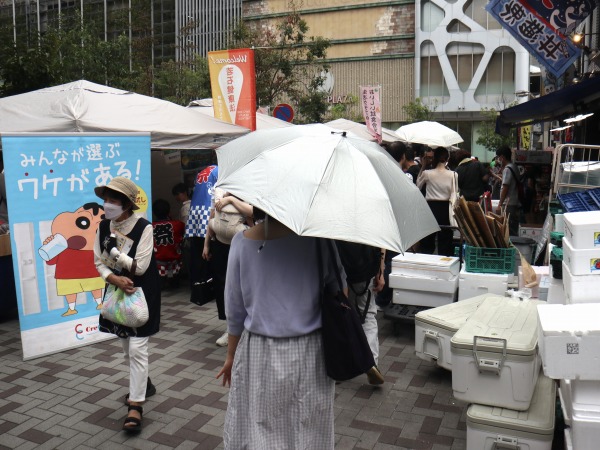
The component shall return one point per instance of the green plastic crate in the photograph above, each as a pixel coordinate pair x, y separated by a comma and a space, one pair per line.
489, 260
556, 238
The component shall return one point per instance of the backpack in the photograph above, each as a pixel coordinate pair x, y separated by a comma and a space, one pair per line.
520, 187
361, 262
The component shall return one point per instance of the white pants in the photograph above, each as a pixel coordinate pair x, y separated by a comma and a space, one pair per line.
370, 325
135, 350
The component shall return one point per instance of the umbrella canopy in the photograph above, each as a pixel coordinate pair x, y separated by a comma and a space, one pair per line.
362, 131
263, 121
326, 184
83, 106
433, 134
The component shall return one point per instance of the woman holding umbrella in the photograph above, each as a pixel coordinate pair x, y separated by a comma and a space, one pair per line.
281, 396
439, 182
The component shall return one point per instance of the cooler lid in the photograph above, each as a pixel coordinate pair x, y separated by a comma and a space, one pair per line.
499, 320
577, 318
538, 419
583, 218
425, 260
452, 316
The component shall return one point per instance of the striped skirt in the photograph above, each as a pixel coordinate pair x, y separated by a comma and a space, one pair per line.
280, 397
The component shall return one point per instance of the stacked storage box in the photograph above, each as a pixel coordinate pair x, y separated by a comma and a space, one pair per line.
472, 284
569, 342
581, 257
424, 280
496, 367
435, 327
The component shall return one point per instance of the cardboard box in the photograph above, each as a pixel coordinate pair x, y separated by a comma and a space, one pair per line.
5, 249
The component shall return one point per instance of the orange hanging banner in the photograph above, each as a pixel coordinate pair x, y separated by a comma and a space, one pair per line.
233, 84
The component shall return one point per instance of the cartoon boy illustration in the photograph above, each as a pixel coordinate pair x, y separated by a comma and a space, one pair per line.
75, 268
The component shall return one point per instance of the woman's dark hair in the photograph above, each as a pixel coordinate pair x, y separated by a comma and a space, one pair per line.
122, 198
179, 188
161, 209
504, 151
396, 149
258, 214
440, 154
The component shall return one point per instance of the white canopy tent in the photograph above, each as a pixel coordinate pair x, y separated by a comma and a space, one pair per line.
263, 121
82, 106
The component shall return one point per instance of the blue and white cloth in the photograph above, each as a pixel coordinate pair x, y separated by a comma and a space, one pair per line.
197, 222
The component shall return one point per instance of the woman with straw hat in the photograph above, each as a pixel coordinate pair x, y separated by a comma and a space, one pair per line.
115, 267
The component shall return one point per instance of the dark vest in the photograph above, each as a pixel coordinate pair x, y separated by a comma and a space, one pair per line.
149, 282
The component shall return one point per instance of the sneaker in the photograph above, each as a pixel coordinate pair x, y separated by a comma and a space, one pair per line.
223, 340
374, 375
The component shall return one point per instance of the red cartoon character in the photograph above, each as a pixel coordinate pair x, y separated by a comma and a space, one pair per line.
71, 249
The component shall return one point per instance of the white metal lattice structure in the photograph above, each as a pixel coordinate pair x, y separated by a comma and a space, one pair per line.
464, 60
575, 167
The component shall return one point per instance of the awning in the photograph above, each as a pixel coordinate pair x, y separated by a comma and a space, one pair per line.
579, 98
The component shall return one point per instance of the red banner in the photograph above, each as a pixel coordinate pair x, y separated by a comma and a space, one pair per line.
371, 108
233, 85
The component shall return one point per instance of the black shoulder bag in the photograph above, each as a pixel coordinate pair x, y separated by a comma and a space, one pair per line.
346, 349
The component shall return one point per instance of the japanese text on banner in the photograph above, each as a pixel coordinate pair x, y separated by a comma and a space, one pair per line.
371, 108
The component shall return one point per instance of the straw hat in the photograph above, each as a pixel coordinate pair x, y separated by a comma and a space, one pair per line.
123, 185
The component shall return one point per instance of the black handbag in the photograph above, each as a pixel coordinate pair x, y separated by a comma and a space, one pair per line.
203, 292
345, 345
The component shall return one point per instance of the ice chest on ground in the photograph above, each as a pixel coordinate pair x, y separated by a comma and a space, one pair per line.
581, 261
422, 265
582, 229
490, 428
494, 354
471, 284
435, 327
422, 291
580, 402
580, 288
569, 340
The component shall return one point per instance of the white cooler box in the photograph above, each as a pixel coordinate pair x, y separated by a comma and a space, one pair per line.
569, 341
568, 440
490, 428
494, 354
472, 284
582, 229
580, 288
580, 402
422, 291
581, 261
435, 327
428, 266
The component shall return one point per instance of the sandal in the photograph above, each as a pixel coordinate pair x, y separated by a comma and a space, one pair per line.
150, 391
133, 424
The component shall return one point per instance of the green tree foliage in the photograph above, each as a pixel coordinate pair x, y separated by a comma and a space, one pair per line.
417, 111
488, 137
288, 63
347, 110
182, 82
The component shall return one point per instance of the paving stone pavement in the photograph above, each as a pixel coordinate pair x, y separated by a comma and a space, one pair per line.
74, 399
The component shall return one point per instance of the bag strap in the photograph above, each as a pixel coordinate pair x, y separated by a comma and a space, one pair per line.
320, 265
131, 271
363, 314
517, 178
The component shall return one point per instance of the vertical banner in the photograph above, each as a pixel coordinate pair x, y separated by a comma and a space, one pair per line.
54, 214
536, 33
233, 84
371, 109
525, 135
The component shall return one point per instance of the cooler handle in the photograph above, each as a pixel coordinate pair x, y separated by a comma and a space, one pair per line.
488, 364
434, 336
506, 442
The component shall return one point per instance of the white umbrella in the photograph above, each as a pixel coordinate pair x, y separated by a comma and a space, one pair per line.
433, 134
362, 131
326, 184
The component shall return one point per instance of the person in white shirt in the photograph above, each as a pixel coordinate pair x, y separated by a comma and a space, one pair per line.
439, 183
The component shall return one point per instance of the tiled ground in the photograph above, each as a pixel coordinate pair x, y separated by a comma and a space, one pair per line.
73, 400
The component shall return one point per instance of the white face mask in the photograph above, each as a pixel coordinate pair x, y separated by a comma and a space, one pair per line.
112, 211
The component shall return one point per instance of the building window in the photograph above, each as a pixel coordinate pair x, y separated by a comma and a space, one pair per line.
498, 82
432, 83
